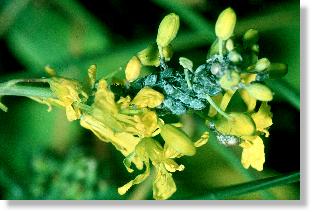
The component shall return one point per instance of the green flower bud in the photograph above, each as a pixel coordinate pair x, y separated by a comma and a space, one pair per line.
229, 45
167, 30
177, 140
225, 24
150, 55
277, 70
250, 37
235, 57
133, 69
255, 48
229, 80
260, 92
262, 64
238, 124
186, 63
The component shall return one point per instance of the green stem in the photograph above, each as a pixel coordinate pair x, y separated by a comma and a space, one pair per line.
213, 104
252, 186
187, 79
220, 43
11, 89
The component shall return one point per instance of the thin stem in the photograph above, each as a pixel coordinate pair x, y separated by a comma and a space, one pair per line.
213, 104
252, 186
11, 88
220, 43
187, 79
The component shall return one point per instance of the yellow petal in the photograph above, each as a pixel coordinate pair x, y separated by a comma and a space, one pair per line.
248, 99
164, 185
137, 180
147, 97
226, 99
263, 118
68, 92
253, 153
217, 99
123, 141
238, 124
202, 140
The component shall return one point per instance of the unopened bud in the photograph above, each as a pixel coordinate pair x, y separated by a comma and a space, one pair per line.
262, 64
168, 29
186, 63
250, 37
260, 92
133, 69
229, 80
229, 45
235, 57
225, 24
177, 140
277, 70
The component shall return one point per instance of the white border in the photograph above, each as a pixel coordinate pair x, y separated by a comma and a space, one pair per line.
303, 205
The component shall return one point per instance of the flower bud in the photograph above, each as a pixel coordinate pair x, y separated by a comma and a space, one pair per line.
177, 140
260, 92
262, 64
250, 37
225, 24
133, 69
229, 45
238, 124
277, 70
235, 57
186, 63
229, 80
167, 30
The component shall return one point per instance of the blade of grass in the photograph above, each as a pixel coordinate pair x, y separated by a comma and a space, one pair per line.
286, 91
252, 186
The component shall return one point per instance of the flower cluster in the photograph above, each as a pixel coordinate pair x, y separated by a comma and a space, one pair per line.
232, 66
131, 119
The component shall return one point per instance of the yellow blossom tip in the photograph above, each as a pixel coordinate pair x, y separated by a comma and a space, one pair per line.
133, 69
225, 24
168, 29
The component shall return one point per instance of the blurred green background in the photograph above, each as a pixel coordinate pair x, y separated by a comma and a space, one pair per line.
43, 156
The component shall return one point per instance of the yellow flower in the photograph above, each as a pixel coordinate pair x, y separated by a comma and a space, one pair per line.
150, 150
109, 124
147, 97
253, 152
263, 118
69, 94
